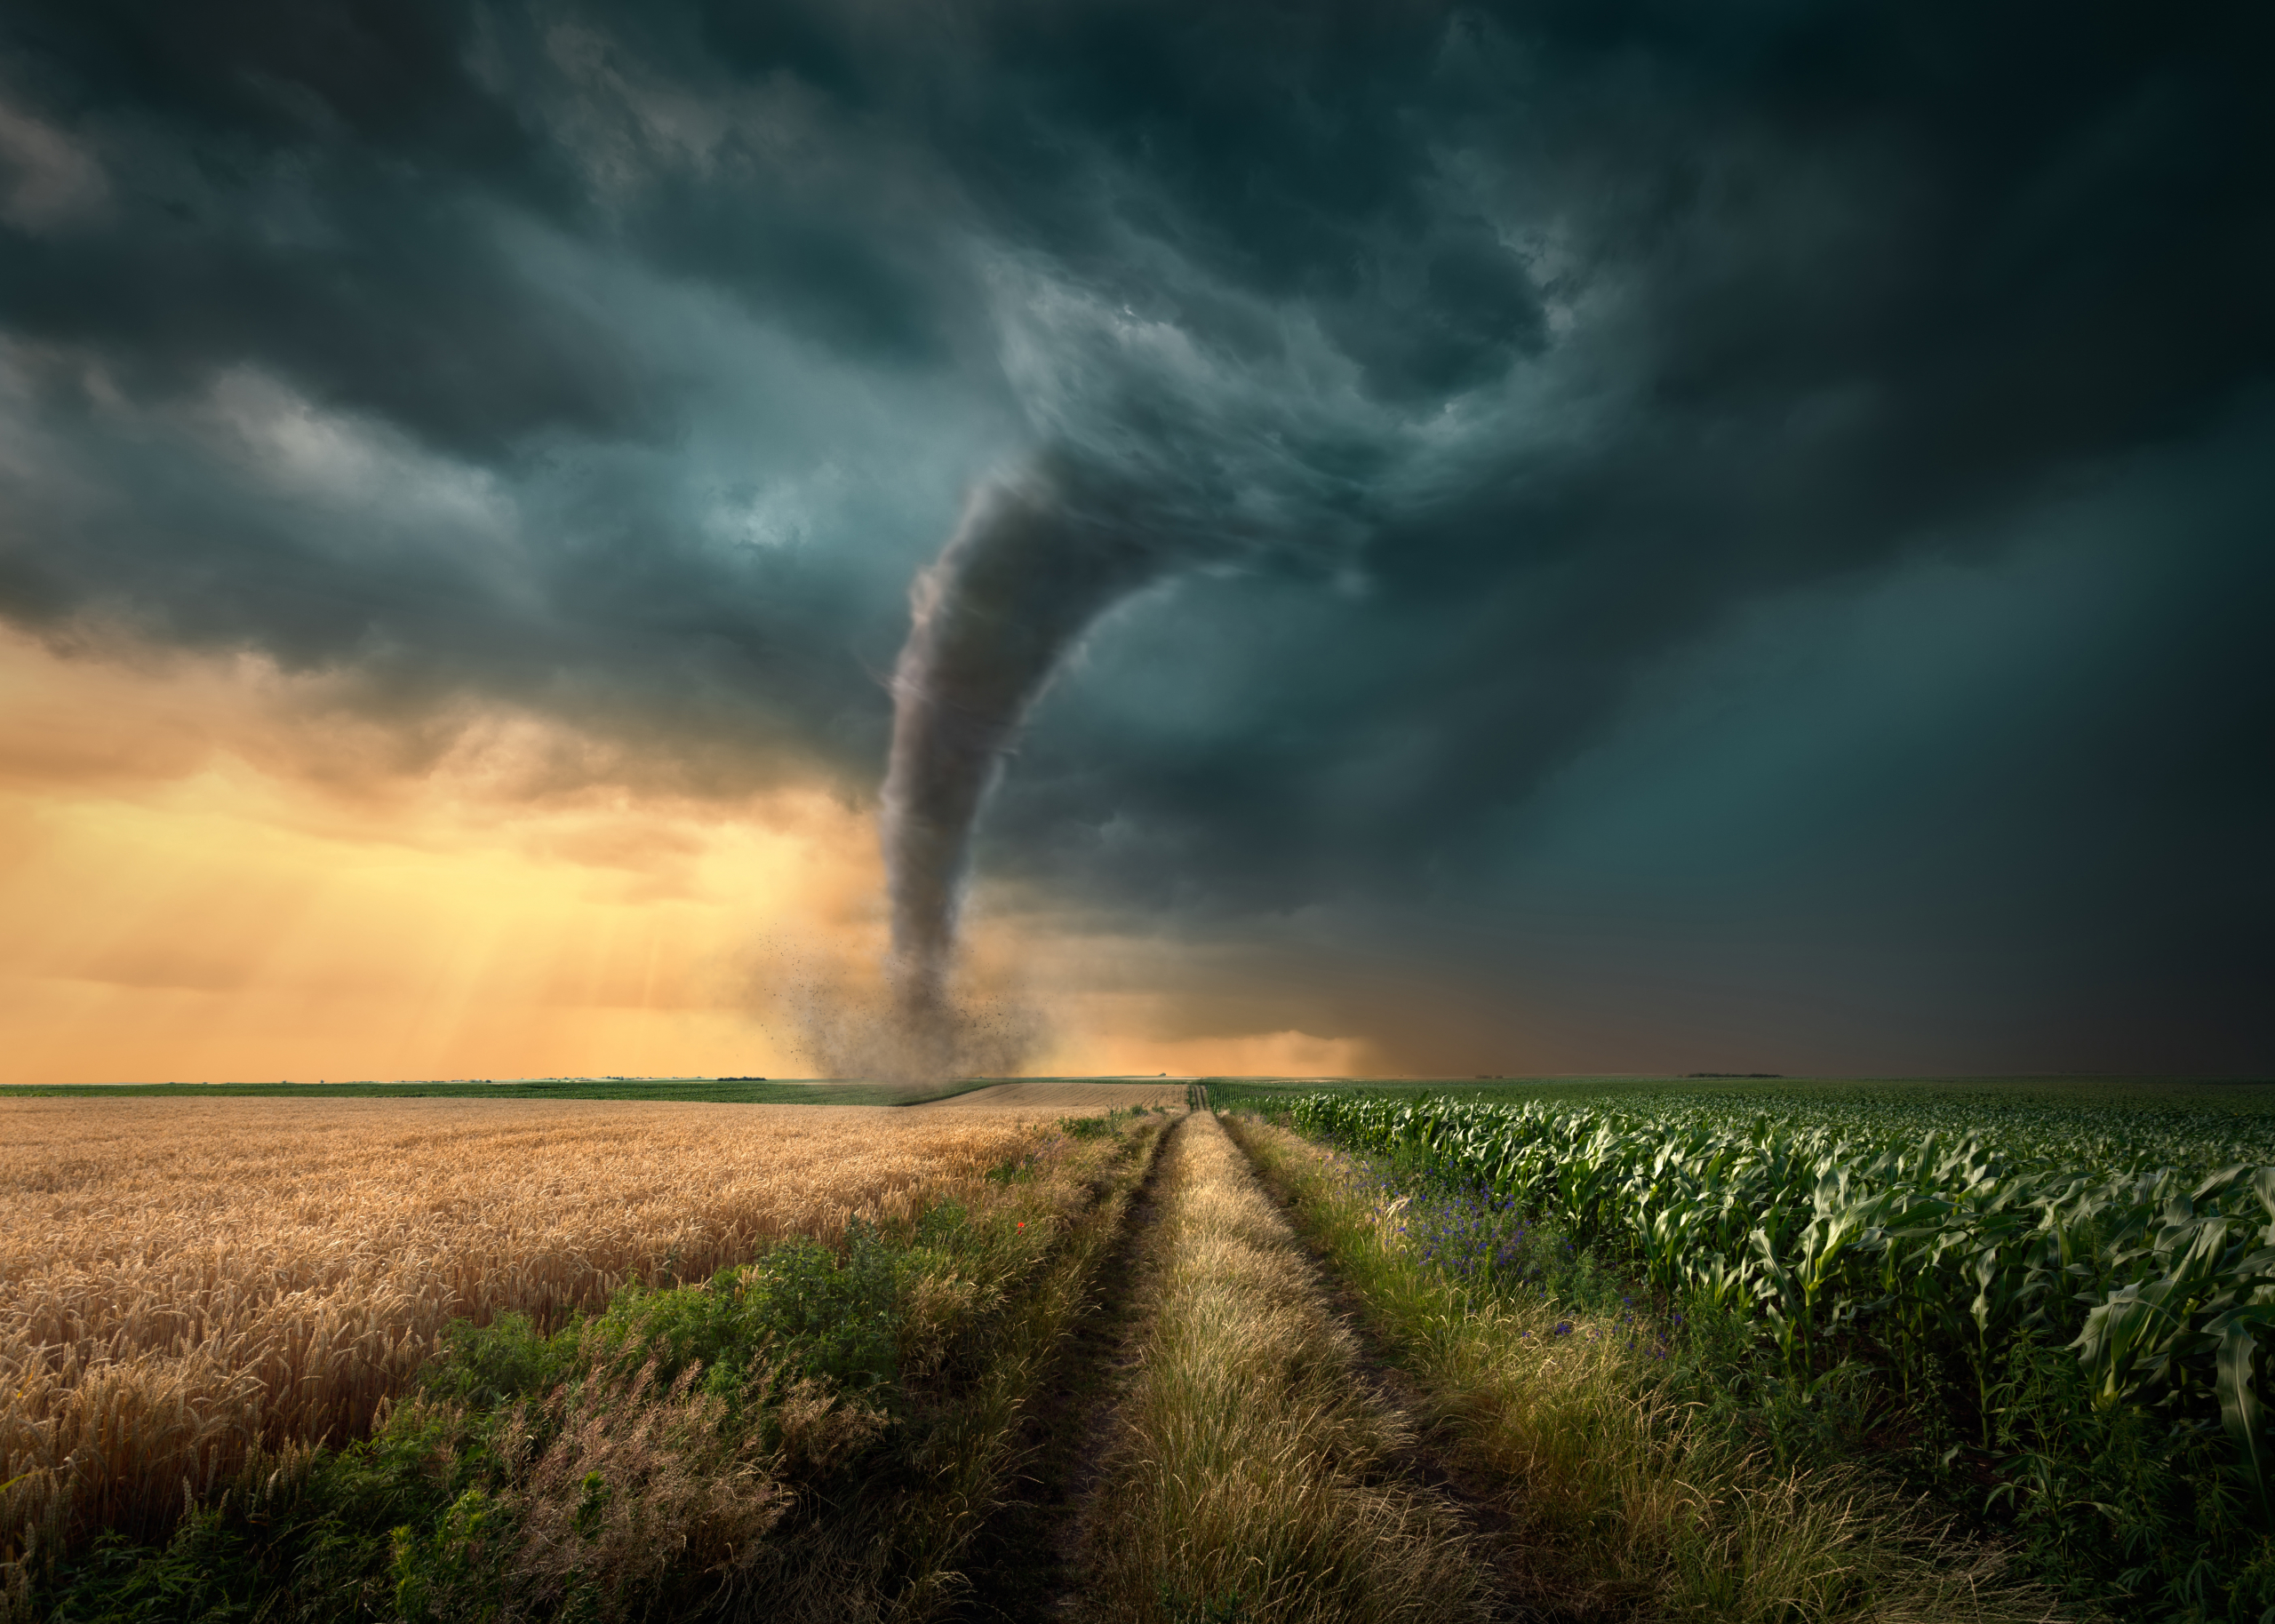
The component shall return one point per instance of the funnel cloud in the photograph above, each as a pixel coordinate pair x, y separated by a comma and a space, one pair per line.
1038, 557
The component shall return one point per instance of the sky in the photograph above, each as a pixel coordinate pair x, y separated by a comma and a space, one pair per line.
1677, 539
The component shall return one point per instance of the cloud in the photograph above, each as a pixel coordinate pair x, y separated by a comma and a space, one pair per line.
49, 183
1483, 365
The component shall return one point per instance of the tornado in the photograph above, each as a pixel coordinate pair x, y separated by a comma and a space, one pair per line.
1037, 556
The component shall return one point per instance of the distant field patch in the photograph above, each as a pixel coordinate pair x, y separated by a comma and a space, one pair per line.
695, 1090
1053, 1095
187, 1283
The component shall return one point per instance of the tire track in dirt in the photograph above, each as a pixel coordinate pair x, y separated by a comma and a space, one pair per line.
1397, 1391
1249, 1466
1021, 1565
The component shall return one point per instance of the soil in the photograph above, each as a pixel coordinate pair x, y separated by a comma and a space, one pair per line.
1021, 1564
1421, 1460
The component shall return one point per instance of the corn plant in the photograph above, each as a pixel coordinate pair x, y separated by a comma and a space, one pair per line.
1905, 1234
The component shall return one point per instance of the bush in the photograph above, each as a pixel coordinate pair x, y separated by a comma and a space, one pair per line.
485, 1367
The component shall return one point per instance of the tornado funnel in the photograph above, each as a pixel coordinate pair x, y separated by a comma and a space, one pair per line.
1037, 557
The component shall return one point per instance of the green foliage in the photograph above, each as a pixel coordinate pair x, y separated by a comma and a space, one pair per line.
492, 1365
339, 1542
1105, 1127
200, 1576
2075, 1329
1017, 1170
1180, 1608
454, 1562
2195, 1125
2117, 1500
824, 1315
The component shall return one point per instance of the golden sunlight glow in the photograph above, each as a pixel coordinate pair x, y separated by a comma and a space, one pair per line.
210, 876
1103, 1050
206, 885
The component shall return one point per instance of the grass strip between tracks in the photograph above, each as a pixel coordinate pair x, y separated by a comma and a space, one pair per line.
1251, 1476
1623, 1506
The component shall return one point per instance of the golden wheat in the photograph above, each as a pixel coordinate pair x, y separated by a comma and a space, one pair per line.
192, 1283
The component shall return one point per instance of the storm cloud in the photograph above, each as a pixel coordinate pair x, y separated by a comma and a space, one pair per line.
1713, 538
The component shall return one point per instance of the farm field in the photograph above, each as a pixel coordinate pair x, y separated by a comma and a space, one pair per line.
2049, 1307
682, 1090
1058, 1094
1586, 1350
2198, 1122
1594, 1485
190, 1284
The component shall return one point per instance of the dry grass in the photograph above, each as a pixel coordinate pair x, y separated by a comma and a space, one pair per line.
1626, 1507
1251, 1476
636, 1482
193, 1282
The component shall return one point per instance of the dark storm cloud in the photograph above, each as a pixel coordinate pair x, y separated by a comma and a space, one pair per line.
1487, 359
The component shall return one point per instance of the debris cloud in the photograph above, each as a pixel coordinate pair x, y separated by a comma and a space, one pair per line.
845, 1021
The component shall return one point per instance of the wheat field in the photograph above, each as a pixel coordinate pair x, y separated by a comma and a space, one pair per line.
194, 1285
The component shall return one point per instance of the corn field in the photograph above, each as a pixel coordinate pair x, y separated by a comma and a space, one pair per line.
1906, 1230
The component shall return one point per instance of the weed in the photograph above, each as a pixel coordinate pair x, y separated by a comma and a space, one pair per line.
1178, 1608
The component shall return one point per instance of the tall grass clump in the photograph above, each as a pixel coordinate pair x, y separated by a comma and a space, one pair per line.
1550, 1394
1250, 1477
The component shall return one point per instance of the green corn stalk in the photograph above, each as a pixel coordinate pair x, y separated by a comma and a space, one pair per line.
1914, 1223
